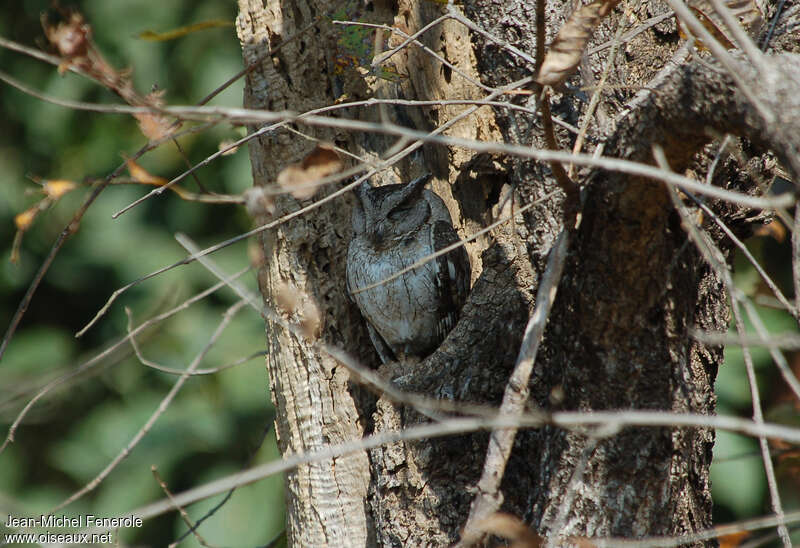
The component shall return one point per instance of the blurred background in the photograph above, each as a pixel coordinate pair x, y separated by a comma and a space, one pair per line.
218, 423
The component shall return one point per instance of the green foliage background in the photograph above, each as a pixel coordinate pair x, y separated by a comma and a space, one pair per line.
215, 425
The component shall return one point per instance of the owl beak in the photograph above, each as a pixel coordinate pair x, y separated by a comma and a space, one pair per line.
378, 236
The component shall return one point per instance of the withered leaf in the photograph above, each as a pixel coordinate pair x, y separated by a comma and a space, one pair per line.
566, 50
286, 298
56, 188
180, 32
226, 147
71, 38
300, 180
774, 230
734, 539
746, 11
24, 220
511, 528
153, 125
310, 320
259, 201
143, 176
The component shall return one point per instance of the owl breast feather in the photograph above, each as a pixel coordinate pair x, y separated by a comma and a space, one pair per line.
404, 310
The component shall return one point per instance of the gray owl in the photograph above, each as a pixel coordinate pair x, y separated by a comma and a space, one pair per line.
394, 226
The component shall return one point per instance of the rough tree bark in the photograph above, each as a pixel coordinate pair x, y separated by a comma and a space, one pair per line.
633, 287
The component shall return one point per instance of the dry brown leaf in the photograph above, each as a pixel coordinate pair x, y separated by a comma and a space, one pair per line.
55, 189
71, 38
259, 201
566, 50
286, 298
224, 146
24, 220
310, 320
733, 540
153, 125
143, 176
300, 179
14, 258
775, 230
510, 528
746, 11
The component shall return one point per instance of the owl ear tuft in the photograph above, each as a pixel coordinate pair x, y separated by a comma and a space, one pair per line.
415, 187
420, 181
359, 208
362, 191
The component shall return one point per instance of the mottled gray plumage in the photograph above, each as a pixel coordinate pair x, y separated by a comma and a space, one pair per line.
394, 226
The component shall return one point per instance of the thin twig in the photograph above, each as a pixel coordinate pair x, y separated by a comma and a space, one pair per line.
796, 258
722, 55
571, 491
784, 341
423, 47
369, 378
63, 236
743, 40
186, 519
758, 417
423, 137
213, 510
453, 13
779, 359
284, 124
772, 25
242, 115
712, 254
462, 425
714, 533
411, 38
748, 255
162, 407
515, 397
449, 248
135, 346
646, 24
85, 366
260, 59
595, 100
173, 371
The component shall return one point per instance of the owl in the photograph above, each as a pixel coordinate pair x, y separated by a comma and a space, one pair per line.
395, 226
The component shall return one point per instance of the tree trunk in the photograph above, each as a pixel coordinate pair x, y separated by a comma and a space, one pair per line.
633, 287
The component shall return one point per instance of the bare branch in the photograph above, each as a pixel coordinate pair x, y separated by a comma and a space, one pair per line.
734, 70
715, 258
456, 426
162, 407
742, 38
515, 397
184, 516
240, 115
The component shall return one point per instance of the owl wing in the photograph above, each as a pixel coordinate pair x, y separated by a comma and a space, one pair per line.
381, 346
384, 350
452, 276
